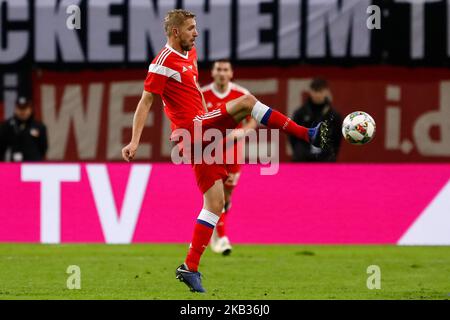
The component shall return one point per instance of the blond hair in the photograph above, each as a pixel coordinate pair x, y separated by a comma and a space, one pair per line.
175, 18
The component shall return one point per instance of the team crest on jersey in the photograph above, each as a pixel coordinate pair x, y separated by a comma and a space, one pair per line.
186, 69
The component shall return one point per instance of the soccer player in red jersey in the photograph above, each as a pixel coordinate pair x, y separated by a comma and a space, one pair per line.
218, 93
173, 75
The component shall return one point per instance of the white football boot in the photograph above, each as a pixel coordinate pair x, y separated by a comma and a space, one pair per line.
215, 242
220, 245
225, 246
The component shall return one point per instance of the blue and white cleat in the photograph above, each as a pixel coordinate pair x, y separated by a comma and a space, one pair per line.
319, 136
192, 279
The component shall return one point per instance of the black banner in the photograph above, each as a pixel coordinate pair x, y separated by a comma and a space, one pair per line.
129, 32
73, 35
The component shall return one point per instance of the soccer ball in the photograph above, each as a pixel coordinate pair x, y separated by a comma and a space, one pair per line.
358, 128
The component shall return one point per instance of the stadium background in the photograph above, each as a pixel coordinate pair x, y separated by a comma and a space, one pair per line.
85, 84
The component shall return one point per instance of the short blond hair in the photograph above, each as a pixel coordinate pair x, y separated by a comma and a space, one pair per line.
176, 18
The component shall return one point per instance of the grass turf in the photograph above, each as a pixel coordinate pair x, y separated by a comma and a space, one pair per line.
251, 272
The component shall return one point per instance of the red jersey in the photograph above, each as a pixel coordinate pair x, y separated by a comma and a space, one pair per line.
214, 99
174, 77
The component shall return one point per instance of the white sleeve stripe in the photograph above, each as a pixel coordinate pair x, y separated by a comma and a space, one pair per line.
161, 55
164, 57
206, 116
164, 71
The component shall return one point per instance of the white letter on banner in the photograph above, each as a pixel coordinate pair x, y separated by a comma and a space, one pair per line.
289, 29
17, 42
325, 17
100, 25
51, 32
118, 120
144, 23
437, 118
250, 23
72, 112
118, 228
50, 177
217, 21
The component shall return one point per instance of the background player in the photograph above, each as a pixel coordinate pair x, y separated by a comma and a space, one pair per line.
173, 75
217, 93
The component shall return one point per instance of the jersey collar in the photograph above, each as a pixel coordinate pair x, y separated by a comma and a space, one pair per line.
218, 94
185, 56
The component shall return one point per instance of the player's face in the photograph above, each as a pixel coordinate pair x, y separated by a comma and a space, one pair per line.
187, 34
222, 73
318, 97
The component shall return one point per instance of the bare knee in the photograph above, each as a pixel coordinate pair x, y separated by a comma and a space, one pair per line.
241, 107
248, 101
216, 205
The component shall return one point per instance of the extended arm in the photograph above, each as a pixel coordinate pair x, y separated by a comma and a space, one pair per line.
140, 117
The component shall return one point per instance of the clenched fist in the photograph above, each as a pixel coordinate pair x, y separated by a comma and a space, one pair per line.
129, 151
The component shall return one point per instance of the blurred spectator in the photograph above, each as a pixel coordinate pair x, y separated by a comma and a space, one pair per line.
317, 108
21, 137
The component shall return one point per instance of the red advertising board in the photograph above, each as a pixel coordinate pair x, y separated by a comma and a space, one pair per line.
89, 113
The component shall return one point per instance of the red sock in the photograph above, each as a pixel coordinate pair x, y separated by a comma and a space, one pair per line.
220, 227
277, 120
202, 234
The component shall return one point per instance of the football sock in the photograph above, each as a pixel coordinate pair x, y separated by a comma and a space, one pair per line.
203, 230
220, 227
276, 120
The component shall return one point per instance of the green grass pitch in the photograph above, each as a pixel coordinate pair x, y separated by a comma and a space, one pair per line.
251, 272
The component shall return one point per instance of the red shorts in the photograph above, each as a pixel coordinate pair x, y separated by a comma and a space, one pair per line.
233, 168
234, 172
216, 119
207, 174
